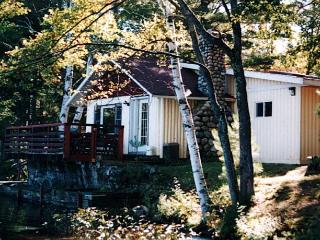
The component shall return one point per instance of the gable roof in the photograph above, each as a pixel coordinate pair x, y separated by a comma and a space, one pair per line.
144, 75
156, 77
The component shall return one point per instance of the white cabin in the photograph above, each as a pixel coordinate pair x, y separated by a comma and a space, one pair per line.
282, 108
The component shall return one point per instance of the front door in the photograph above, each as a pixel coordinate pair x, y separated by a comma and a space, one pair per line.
139, 126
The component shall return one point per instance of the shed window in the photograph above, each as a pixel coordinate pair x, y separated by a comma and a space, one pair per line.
268, 109
264, 109
259, 110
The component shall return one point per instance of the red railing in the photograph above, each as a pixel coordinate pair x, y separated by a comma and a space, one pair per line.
74, 142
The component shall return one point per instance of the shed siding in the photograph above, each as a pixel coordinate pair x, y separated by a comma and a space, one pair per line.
172, 125
310, 123
278, 136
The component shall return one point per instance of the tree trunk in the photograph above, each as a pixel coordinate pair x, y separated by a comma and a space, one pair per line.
187, 118
67, 80
66, 94
222, 121
79, 111
246, 161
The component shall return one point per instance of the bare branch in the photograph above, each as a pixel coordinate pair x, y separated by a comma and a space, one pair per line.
190, 16
225, 6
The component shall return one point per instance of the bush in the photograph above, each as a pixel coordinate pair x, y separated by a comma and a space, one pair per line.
96, 224
180, 206
233, 131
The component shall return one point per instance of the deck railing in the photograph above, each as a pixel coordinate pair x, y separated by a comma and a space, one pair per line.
73, 142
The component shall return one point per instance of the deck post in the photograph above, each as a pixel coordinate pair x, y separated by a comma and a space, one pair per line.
120, 143
93, 144
67, 142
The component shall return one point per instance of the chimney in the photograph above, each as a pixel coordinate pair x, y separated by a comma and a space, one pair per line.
214, 59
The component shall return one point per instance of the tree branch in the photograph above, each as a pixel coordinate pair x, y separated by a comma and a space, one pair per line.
54, 57
226, 9
190, 16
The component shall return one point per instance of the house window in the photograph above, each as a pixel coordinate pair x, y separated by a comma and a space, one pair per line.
111, 117
118, 110
264, 109
144, 123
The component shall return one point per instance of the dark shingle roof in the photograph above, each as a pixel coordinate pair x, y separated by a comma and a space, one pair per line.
156, 78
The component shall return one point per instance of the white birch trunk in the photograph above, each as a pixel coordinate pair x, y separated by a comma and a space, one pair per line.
79, 111
66, 94
187, 118
63, 117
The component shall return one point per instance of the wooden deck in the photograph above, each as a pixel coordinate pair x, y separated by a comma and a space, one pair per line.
71, 142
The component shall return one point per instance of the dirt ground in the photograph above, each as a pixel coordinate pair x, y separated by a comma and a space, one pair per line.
287, 206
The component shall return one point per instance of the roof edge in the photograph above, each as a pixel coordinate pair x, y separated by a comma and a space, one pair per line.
270, 76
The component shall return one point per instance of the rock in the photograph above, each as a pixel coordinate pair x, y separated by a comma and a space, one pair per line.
199, 134
198, 123
140, 211
206, 147
207, 134
204, 140
205, 119
196, 118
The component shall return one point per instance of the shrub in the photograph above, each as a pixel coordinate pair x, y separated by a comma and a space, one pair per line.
233, 131
180, 206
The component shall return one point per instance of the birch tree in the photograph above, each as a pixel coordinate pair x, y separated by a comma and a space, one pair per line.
68, 78
80, 109
233, 12
185, 112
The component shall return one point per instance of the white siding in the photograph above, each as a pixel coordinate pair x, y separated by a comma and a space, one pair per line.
278, 137
155, 129
92, 105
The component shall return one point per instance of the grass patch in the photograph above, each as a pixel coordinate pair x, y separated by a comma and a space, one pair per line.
273, 170
183, 173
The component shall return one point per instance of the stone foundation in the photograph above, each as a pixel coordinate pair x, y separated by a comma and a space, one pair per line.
87, 176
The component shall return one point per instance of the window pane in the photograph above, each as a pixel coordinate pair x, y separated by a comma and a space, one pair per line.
144, 124
109, 119
268, 109
259, 109
118, 115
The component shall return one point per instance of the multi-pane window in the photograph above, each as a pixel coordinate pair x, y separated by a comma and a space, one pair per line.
111, 117
118, 110
264, 109
144, 124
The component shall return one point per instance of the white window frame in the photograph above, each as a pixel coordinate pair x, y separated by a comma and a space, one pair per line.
141, 102
263, 110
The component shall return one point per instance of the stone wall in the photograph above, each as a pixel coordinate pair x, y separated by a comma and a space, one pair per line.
204, 122
81, 176
215, 61
203, 116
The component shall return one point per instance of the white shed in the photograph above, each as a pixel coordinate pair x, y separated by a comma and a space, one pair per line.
282, 109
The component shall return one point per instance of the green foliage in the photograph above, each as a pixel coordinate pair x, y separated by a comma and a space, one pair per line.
314, 166
92, 223
309, 24
259, 62
233, 132
180, 206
